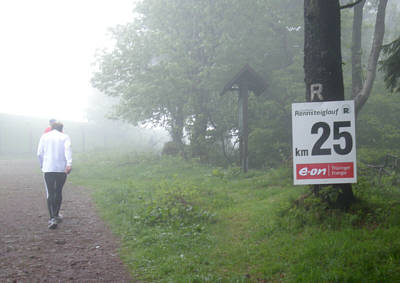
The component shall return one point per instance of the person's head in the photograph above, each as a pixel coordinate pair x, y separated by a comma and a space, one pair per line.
57, 126
52, 121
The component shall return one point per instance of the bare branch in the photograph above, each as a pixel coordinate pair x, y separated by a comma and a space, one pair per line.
350, 5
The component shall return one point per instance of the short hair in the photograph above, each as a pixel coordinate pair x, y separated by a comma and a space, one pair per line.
57, 126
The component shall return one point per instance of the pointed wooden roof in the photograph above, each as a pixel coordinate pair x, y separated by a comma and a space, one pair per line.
247, 75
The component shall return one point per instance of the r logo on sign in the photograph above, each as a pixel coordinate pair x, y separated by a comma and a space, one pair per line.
316, 90
346, 109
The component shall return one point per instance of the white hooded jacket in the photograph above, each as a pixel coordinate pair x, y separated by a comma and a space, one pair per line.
54, 151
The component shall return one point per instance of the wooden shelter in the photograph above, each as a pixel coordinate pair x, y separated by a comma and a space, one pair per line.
244, 81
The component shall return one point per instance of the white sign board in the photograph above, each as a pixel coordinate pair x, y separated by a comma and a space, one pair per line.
324, 142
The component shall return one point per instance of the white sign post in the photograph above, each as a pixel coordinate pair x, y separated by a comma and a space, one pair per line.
324, 142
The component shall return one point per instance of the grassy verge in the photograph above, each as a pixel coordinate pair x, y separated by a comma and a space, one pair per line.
183, 222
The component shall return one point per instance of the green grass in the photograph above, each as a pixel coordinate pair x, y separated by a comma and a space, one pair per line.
184, 222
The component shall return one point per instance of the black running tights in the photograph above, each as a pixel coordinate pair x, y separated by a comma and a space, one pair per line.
54, 182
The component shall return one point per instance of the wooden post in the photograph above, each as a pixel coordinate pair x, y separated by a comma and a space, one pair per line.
246, 80
243, 126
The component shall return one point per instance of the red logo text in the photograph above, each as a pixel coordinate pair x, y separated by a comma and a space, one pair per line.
325, 170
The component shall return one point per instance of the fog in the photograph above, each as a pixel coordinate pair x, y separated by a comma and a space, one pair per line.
165, 69
47, 50
19, 136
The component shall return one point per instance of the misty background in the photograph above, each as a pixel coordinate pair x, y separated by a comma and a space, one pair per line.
47, 53
163, 65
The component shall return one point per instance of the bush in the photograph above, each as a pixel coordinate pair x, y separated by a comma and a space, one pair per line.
266, 150
170, 148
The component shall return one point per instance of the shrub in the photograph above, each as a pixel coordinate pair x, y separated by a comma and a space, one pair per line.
170, 148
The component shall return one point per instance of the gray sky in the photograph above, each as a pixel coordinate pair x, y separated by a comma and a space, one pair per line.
46, 51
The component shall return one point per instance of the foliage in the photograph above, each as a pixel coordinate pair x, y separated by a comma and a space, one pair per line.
270, 132
377, 125
391, 66
169, 66
170, 148
180, 221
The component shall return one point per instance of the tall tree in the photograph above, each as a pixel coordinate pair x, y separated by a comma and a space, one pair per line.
322, 49
169, 66
361, 90
356, 51
323, 64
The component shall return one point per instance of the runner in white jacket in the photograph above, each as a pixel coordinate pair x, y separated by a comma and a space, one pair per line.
55, 156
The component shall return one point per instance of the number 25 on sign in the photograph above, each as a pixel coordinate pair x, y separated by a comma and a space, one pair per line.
323, 140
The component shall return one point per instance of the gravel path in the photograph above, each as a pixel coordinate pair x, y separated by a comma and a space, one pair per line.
81, 249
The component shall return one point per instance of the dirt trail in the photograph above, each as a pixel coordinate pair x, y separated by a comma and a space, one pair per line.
81, 249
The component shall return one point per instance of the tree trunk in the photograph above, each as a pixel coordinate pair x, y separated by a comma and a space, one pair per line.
322, 49
198, 133
356, 70
176, 128
198, 137
362, 96
323, 65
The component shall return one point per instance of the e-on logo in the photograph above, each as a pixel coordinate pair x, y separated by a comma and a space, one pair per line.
325, 170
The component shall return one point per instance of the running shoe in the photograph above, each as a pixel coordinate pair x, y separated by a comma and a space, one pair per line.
52, 223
